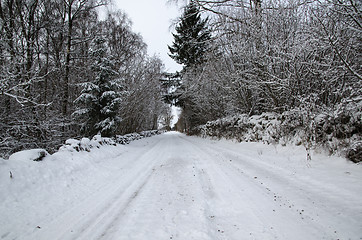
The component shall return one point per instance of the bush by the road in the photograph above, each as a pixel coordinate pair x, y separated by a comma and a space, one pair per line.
338, 130
86, 144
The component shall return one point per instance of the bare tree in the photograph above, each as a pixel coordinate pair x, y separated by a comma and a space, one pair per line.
276, 55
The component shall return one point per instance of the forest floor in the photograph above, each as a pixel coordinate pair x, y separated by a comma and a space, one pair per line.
173, 186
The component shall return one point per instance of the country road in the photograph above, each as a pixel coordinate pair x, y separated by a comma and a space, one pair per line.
177, 187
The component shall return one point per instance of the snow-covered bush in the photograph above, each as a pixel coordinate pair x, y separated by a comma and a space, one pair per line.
29, 155
70, 145
243, 128
122, 140
354, 152
146, 134
133, 136
86, 144
336, 130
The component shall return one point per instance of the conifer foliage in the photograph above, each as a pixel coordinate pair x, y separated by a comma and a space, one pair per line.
192, 37
102, 97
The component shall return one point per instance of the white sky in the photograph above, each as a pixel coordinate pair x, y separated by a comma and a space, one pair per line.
152, 19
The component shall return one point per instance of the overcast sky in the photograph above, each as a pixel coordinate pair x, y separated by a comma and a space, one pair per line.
152, 19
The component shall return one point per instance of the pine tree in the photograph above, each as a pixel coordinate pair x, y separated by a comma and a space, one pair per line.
192, 37
101, 98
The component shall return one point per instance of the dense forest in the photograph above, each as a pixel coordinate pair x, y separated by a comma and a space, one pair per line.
300, 60
66, 73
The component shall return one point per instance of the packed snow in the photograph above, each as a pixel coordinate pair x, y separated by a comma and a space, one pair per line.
173, 186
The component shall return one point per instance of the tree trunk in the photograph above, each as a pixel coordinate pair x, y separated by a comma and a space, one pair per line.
67, 62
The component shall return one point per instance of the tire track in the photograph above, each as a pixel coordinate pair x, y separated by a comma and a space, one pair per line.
93, 217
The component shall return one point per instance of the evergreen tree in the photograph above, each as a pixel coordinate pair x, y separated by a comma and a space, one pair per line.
192, 37
101, 99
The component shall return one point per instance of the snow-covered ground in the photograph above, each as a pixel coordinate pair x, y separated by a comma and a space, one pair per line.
176, 187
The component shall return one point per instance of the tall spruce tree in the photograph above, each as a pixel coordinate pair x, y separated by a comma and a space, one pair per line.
191, 38
101, 98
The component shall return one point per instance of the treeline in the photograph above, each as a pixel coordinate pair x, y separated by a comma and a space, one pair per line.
64, 72
273, 56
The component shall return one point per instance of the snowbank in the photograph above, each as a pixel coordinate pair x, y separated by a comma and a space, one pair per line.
41, 190
86, 144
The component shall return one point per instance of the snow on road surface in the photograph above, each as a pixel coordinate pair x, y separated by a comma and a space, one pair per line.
177, 187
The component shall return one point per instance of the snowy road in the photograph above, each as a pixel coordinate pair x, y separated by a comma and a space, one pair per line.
178, 187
